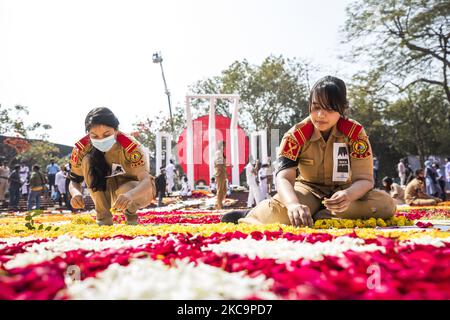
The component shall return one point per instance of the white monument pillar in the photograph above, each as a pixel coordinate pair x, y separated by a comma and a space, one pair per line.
235, 144
212, 135
160, 136
189, 145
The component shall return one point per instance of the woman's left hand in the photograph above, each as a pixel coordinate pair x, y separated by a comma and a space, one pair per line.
122, 202
339, 201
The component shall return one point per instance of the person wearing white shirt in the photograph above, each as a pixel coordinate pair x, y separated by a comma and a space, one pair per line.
447, 172
170, 176
402, 172
262, 175
254, 192
24, 175
185, 188
60, 183
4, 175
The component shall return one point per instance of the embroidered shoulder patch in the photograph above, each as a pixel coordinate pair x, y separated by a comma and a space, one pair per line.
135, 156
359, 148
136, 159
290, 148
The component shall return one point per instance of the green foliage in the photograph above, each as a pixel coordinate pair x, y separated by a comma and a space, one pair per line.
31, 225
12, 122
40, 153
411, 37
273, 95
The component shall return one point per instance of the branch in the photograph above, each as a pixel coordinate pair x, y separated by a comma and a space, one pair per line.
435, 82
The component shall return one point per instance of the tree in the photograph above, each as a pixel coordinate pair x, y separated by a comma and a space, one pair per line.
145, 131
421, 122
411, 37
12, 122
40, 153
273, 95
367, 101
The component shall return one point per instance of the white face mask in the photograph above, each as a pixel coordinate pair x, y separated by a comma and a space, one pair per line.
104, 145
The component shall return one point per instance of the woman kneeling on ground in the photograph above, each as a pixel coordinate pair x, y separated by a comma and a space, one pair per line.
325, 168
114, 168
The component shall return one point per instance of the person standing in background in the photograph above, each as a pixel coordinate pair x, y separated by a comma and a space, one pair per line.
431, 184
52, 170
220, 174
4, 175
262, 176
170, 176
375, 171
447, 172
60, 182
440, 180
14, 188
37, 185
401, 169
161, 186
254, 194
24, 176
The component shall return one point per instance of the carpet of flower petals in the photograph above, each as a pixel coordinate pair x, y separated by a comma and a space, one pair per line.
191, 255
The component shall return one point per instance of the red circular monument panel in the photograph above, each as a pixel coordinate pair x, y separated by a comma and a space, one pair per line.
201, 146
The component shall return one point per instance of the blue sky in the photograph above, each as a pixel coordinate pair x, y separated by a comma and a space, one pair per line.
62, 58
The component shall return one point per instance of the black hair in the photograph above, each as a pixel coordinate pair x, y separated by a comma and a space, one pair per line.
387, 180
98, 168
331, 94
17, 167
418, 171
36, 167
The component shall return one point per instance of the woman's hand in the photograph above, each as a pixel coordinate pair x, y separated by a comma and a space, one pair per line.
299, 215
339, 201
122, 202
77, 202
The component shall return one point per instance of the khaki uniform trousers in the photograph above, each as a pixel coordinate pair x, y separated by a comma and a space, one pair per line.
221, 176
422, 202
375, 203
115, 186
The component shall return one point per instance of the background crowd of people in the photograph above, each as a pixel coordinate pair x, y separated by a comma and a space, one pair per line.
424, 186
428, 185
31, 185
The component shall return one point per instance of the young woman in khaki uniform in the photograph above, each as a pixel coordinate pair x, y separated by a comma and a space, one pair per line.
325, 168
114, 168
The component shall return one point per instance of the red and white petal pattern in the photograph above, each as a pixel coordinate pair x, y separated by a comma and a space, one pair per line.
223, 265
149, 279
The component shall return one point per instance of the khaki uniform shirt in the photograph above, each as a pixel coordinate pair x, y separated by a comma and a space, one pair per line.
123, 163
220, 164
315, 159
415, 190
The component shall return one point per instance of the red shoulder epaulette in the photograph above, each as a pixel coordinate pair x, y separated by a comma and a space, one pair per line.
349, 128
128, 144
291, 146
304, 133
82, 143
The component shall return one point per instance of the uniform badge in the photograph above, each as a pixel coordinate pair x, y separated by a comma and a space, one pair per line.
136, 156
136, 159
290, 149
360, 148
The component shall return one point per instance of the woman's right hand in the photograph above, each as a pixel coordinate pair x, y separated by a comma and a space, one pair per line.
77, 202
299, 215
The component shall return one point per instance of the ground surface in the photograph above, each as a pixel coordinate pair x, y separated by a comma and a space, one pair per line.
186, 253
